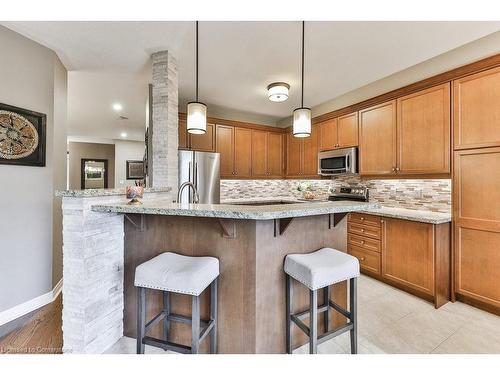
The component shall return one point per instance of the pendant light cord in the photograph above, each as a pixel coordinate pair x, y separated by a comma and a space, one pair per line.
302, 84
196, 60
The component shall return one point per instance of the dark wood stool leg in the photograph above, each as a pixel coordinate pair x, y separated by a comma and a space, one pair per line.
141, 318
353, 307
289, 304
166, 309
213, 316
313, 322
326, 300
195, 325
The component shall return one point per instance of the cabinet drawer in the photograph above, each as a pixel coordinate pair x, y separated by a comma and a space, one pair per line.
364, 242
364, 230
368, 260
365, 219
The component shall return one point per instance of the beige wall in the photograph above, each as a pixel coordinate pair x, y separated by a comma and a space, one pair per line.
79, 150
477, 50
31, 77
126, 150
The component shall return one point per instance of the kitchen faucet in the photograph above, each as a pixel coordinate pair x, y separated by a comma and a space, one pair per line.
196, 196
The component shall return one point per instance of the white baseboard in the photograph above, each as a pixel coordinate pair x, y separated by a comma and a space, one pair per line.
31, 305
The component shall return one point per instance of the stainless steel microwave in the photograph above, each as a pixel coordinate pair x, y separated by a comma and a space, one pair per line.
335, 162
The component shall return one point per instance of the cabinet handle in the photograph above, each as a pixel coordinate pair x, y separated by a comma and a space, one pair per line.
394, 169
397, 169
362, 230
362, 242
362, 259
362, 218
382, 221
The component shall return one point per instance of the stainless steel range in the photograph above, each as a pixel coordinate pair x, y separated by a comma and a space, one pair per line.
356, 193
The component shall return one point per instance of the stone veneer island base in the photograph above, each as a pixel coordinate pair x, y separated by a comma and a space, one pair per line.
104, 240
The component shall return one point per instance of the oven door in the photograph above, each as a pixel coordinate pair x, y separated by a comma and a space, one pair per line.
337, 162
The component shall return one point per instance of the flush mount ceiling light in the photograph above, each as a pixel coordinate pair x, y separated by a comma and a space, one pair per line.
117, 107
196, 111
123, 135
302, 115
278, 91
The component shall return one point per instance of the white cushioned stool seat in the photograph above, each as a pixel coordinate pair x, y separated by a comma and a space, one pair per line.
177, 273
321, 268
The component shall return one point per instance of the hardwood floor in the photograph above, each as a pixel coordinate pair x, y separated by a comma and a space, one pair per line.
41, 335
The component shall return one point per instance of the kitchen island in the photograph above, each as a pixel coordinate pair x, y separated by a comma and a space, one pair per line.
105, 239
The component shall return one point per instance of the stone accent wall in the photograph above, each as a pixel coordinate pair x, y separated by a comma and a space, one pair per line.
93, 264
430, 195
164, 144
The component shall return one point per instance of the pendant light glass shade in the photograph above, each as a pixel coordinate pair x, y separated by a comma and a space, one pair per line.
278, 91
302, 122
196, 118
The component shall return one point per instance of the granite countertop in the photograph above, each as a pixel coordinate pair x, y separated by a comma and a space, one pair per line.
105, 192
234, 211
413, 215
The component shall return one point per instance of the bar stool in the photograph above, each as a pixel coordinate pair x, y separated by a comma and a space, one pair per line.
316, 270
174, 273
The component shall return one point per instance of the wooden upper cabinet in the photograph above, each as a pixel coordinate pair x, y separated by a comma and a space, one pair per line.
260, 147
183, 134
224, 145
242, 152
294, 148
476, 110
424, 131
275, 155
408, 254
347, 130
203, 142
378, 143
327, 134
310, 154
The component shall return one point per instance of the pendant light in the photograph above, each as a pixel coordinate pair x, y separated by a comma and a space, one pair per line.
196, 111
302, 115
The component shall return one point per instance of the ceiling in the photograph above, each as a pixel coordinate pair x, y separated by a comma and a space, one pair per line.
109, 62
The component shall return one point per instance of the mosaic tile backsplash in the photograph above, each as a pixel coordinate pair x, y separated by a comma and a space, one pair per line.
430, 195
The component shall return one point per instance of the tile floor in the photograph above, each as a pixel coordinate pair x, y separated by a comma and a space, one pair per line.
392, 321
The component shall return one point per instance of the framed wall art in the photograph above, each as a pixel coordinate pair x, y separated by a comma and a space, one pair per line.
22, 136
135, 169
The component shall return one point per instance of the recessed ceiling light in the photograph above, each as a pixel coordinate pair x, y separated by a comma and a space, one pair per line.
117, 107
278, 91
123, 135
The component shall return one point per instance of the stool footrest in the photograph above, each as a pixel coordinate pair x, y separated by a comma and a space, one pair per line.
340, 309
166, 345
304, 314
207, 329
334, 333
185, 319
300, 324
158, 318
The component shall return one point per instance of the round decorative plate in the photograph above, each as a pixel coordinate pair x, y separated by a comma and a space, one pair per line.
18, 136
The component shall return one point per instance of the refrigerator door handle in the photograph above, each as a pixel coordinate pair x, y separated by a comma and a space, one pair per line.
195, 175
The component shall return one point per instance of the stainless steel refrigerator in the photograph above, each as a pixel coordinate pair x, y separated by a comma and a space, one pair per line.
203, 170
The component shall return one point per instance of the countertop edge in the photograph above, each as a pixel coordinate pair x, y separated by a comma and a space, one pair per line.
223, 214
408, 217
92, 193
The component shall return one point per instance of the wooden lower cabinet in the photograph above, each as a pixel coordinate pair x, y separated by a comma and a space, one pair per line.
477, 273
410, 255
477, 227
